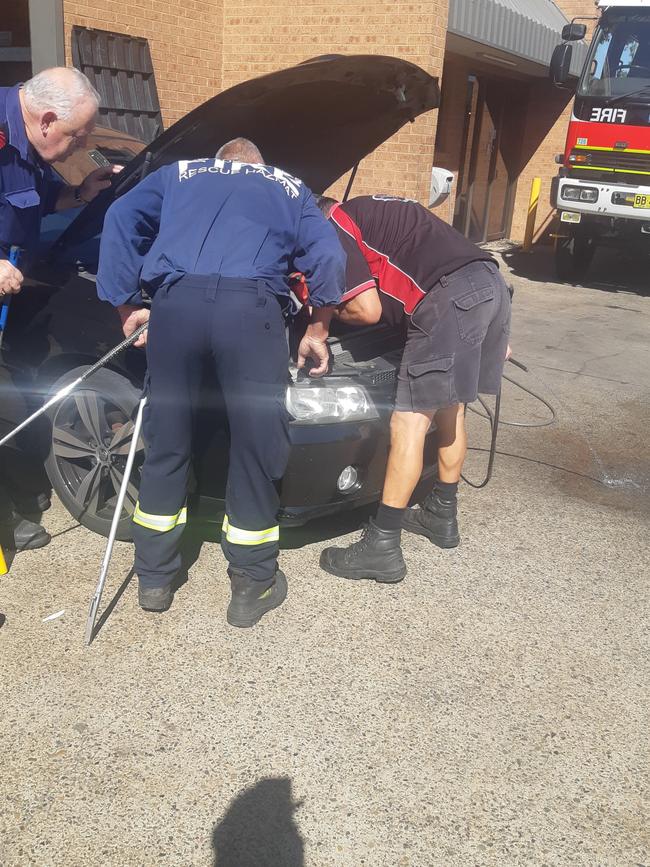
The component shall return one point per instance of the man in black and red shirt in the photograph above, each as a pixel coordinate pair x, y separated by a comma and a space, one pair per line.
458, 311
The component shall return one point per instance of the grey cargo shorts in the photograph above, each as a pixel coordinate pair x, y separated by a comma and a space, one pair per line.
457, 341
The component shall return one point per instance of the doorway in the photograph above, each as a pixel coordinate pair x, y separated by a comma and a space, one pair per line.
490, 157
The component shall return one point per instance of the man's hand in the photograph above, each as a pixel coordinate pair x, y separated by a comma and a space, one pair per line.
508, 352
11, 279
314, 344
97, 181
316, 349
132, 318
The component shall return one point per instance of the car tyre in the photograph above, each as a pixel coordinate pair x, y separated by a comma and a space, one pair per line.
89, 446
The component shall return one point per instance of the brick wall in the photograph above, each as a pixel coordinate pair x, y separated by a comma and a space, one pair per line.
201, 46
260, 37
185, 39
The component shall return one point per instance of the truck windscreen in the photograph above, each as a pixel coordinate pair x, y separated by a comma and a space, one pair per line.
619, 59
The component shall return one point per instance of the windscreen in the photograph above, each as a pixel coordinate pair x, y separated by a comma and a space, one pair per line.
619, 60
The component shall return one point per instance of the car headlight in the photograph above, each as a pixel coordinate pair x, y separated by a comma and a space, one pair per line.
580, 194
315, 403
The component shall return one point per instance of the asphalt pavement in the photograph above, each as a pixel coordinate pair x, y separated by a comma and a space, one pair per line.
492, 709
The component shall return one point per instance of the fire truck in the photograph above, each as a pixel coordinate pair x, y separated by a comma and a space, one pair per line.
602, 192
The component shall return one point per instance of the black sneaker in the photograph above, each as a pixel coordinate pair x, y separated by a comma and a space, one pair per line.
250, 600
377, 555
436, 519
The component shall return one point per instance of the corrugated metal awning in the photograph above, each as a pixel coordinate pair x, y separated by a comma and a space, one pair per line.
525, 28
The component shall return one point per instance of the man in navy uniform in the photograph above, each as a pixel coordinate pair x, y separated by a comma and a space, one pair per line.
41, 121
454, 306
213, 242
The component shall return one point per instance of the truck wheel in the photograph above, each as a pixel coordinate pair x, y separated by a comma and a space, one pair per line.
91, 435
573, 256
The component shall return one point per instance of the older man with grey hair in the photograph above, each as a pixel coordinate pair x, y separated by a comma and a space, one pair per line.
41, 121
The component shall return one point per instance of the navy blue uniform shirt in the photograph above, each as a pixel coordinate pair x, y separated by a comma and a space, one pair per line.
218, 217
28, 186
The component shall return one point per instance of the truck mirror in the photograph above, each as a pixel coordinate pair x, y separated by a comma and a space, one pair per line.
561, 64
574, 32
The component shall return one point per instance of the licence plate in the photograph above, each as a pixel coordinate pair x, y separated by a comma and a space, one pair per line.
642, 201
570, 217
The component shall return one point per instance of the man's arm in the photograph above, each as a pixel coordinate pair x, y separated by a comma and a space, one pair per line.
320, 257
130, 228
362, 309
360, 304
92, 185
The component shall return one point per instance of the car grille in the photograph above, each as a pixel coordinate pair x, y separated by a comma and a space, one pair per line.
379, 377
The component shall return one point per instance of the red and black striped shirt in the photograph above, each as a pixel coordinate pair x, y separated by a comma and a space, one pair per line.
401, 245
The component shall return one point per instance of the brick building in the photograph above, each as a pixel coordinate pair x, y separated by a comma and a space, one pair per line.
499, 125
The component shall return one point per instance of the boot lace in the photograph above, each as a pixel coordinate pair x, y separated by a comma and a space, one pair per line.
360, 546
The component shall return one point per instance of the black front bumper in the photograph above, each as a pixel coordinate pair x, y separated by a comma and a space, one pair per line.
319, 453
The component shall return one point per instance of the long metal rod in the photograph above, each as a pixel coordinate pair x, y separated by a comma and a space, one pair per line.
348, 189
65, 391
106, 562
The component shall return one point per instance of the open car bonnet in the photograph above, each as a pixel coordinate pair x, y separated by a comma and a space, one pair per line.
316, 120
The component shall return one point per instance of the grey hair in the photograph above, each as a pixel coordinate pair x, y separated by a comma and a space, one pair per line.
240, 149
59, 91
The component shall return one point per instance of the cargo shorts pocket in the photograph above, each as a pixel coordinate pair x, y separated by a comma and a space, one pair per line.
474, 312
431, 383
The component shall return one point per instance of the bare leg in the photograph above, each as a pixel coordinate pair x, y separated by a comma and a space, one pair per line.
437, 519
452, 442
407, 434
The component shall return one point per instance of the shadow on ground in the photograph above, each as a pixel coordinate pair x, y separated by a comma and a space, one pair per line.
611, 270
258, 829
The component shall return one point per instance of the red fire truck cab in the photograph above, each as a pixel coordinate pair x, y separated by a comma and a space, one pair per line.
602, 192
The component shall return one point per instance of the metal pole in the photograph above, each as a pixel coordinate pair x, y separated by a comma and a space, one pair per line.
348, 189
65, 391
106, 562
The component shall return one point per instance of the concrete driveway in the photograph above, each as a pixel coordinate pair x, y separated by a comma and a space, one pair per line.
490, 710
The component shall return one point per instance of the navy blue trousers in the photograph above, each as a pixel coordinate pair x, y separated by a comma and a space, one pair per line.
236, 326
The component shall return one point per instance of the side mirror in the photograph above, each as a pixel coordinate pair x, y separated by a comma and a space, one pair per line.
561, 64
574, 32
441, 183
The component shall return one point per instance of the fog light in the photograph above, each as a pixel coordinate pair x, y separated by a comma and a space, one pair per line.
348, 480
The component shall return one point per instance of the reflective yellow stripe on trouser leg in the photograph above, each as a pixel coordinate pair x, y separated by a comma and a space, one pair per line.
161, 523
249, 537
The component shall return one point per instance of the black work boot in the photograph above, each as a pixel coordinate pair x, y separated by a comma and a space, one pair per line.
250, 600
436, 519
155, 598
27, 535
376, 555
